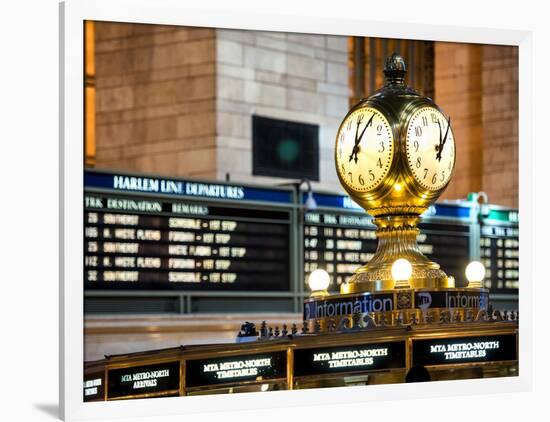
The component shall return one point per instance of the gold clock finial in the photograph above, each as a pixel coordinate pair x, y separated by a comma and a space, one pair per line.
395, 70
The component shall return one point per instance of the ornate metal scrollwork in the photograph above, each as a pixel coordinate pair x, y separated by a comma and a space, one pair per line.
345, 324
400, 319
482, 315
317, 326
368, 321
445, 317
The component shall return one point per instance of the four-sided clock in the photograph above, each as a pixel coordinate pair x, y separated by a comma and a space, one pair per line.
395, 155
395, 150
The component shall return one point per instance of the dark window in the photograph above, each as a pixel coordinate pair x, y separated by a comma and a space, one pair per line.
285, 149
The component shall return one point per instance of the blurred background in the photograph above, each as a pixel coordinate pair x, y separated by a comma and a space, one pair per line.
215, 105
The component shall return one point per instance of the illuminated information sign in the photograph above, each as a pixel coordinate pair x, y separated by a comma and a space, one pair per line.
204, 372
157, 243
366, 303
355, 358
150, 379
445, 351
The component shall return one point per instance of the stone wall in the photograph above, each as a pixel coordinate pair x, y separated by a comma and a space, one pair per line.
295, 77
155, 99
478, 86
500, 124
457, 75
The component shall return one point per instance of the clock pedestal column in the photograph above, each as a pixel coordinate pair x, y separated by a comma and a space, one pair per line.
397, 236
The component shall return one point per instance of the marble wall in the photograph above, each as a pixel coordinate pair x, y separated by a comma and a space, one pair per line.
478, 86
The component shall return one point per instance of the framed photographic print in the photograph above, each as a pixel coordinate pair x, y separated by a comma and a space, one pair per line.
302, 208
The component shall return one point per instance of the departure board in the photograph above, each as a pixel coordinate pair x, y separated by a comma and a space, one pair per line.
150, 243
448, 244
340, 241
499, 250
152, 233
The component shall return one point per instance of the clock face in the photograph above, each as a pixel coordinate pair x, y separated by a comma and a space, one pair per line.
364, 149
430, 148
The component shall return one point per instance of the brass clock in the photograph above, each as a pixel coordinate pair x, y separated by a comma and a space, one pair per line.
395, 155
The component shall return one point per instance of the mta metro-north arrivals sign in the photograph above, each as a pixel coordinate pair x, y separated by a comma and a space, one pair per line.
149, 379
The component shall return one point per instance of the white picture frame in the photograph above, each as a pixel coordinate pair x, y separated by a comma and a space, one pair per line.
173, 12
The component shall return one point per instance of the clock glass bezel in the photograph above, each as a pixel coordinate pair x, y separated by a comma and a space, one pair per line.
389, 158
409, 158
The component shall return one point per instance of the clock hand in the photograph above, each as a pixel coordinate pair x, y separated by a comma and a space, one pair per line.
354, 150
358, 139
365, 128
444, 138
438, 147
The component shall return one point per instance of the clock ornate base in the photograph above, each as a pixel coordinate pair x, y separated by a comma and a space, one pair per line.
397, 236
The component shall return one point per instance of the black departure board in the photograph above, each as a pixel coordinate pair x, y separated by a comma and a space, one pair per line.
150, 243
153, 233
338, 243
448, 244
499, 250
342, 242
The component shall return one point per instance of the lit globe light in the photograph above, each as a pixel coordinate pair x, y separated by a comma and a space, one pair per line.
475, 273
451, 281
401, 271
318, 282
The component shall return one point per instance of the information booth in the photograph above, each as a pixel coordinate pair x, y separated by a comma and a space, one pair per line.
362, 354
